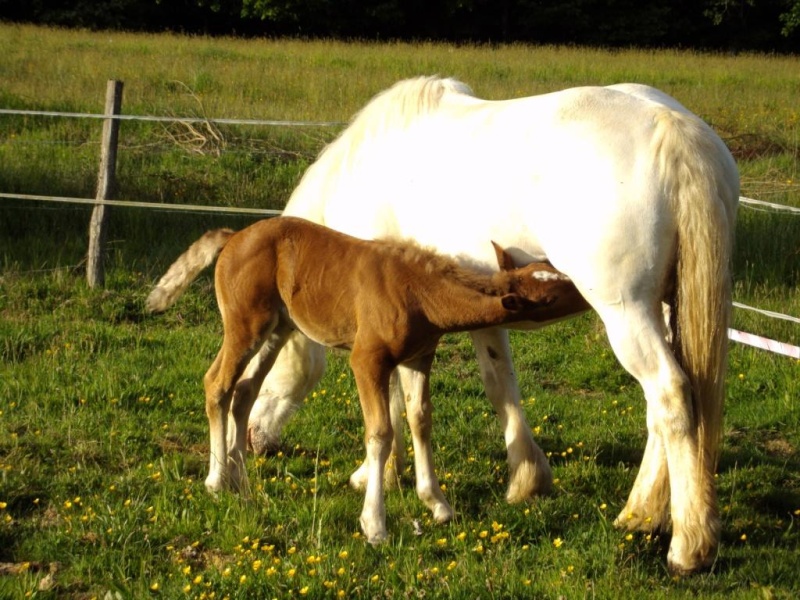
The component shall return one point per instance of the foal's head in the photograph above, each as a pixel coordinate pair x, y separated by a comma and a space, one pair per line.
538, 291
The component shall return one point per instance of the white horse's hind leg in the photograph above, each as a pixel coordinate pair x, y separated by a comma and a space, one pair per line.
530, 473
647, 508
638, 341
296, 371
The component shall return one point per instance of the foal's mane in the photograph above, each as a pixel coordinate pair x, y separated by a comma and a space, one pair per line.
445, 267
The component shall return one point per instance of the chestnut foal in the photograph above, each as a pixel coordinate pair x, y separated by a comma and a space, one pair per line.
388, 302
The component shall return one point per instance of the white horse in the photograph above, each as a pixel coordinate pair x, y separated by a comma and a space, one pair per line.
622, 189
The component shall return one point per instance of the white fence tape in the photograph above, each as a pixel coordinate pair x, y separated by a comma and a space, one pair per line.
47, 113
768, 313
195, 208
758, 341
770, 205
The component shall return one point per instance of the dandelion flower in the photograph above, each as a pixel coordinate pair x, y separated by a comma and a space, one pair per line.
558, 542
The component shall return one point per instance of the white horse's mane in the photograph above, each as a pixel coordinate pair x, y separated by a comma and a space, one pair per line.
391, 110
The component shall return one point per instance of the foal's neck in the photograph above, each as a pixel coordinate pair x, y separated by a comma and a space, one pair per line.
457, 299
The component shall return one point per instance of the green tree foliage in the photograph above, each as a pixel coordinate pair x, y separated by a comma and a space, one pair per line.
767, 25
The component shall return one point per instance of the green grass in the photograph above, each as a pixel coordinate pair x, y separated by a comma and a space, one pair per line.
103, 436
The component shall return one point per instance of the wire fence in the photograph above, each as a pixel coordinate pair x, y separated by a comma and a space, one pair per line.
750, 203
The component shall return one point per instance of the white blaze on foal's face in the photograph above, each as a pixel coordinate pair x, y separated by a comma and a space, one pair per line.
549, 276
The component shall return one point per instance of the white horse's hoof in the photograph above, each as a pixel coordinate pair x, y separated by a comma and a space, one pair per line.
378, 538
214, 484
261, 443
443, 513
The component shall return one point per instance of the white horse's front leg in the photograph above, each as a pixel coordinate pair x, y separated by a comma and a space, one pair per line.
296, 371
416, 385
530, 473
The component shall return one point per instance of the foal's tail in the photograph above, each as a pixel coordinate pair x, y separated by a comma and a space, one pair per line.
701, 178
184, 270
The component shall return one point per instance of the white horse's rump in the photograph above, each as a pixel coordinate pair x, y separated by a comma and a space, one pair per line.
622, 189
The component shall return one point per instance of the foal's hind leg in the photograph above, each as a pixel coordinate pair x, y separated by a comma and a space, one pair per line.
239, 344
245, 394
530, 473
638, 341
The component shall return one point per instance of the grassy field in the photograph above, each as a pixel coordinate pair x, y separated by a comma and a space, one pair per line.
103, 436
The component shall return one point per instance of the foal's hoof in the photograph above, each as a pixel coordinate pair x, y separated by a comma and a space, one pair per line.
375, 534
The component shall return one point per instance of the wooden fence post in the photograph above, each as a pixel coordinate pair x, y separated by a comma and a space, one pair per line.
95, 271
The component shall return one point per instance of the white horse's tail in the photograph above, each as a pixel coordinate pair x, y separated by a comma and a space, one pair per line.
701, 178
184, 270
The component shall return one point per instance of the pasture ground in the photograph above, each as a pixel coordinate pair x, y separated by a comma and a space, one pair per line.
103, 436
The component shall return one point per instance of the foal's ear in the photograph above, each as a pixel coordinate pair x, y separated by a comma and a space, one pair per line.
504, 260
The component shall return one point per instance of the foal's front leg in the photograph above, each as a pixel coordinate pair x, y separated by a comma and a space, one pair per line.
372, 372
397, 459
